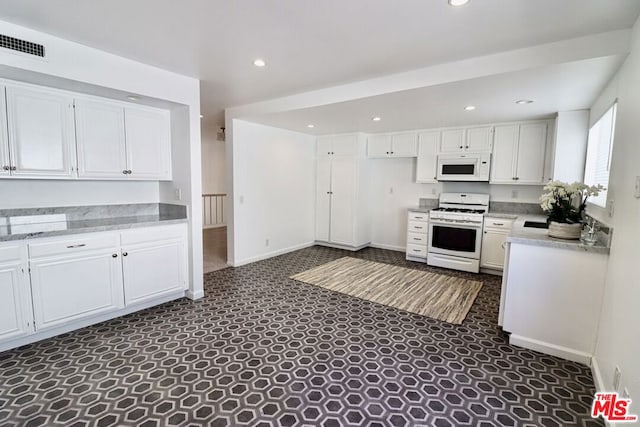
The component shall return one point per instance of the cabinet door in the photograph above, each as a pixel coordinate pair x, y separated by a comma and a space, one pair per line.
492, 254
345, 145
505, 146
531, 153
16, 317
41, 139
100, 139
404, 145
452, 141
479, 139
427, 163
66, 289
378, 146
153, 270
324, 144
5, 162
323, 199
148, 143
343, 186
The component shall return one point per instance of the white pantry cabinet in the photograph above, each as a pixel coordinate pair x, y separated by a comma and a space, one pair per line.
494, 239
154, 263
473, 139
519, 154
16, 315
117, 141
341, 203
40, 131
427, 162
394, 145
74, 278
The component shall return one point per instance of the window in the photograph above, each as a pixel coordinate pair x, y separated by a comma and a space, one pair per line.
599, 149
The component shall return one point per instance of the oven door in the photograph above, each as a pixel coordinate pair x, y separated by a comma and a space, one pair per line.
454, 239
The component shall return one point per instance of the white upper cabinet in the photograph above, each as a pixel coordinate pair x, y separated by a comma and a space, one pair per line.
519, 154
5, 161
100, 137
148, 142
392, 145
41, 140
427, 165
337, 145
452, 141
479, 139
475, 139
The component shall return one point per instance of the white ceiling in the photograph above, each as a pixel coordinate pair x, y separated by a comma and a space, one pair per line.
309, 44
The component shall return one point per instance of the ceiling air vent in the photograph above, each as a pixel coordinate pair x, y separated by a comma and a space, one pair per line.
21, 46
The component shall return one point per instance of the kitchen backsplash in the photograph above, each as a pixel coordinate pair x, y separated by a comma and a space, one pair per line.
516, 208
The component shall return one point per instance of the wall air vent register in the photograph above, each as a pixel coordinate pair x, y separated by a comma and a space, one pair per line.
23, 46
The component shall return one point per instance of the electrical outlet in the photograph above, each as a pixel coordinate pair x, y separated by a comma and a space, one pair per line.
266, 242
514, 194
390, 190
617, 375
636, 193
177, 193
611, 209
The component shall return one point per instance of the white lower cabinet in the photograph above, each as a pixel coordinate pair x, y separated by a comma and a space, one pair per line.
153, 267
16, 315
75, 280
417, 236
494, 239
59, 284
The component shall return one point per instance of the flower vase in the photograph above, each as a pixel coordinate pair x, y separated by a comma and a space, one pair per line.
561, 230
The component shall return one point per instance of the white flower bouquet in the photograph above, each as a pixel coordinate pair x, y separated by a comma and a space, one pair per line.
565, 203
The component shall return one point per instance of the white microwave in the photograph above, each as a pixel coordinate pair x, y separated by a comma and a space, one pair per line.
464, 167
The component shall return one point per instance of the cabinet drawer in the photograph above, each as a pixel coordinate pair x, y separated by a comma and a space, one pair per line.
417, 227
498, 223
417, 251
417, 239
418, 216
10, 253
154, 234
73, 244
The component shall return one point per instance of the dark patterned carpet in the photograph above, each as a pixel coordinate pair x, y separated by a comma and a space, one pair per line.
263, 350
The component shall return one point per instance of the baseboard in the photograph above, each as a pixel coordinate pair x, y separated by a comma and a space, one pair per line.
271, 254
552, 349
597, 379
388, 247
195, 295
344, 247
491, 271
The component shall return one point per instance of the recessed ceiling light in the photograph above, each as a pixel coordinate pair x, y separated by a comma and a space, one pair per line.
133, 98
458, 2
259, 62
470, 108
376, 119
524, 101
310, 126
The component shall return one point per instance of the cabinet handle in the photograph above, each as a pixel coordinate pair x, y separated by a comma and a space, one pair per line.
13, 168
419, 228
81, 245
392, 152
7, 168
416, 238
498, 223
466, 146
124, 254
417, 250
461, 146
114, 256
517, 178
124, 171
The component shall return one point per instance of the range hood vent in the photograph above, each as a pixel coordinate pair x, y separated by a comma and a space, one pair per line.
23, 46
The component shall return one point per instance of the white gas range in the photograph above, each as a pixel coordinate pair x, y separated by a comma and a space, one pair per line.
455, 231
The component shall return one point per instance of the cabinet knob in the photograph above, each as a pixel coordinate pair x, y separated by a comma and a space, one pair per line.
466, 146
461, 146
517, 178
7, 168
13, 168
124, 254
114, 256
124, 171
392, 152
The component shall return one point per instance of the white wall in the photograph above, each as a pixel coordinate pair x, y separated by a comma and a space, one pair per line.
273, 191
214, 179
619, 336
24, 193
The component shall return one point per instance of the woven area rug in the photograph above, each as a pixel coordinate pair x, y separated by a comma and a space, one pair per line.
433, 295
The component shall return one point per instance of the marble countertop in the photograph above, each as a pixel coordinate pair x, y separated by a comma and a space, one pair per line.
38, 226
539, 237
421, 210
